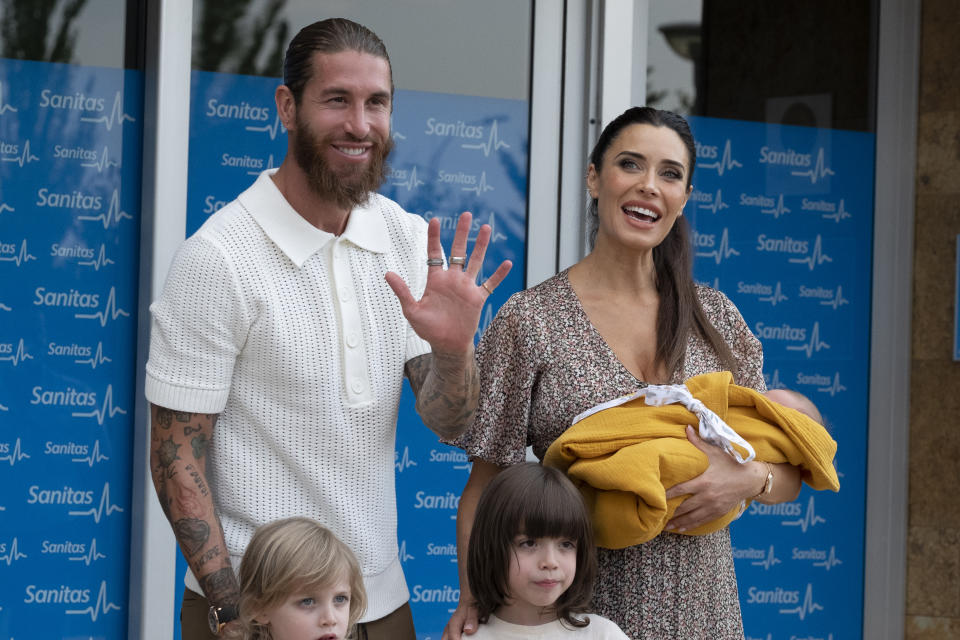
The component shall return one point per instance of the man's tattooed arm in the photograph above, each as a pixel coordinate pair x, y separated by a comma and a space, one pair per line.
446, 389
178, 460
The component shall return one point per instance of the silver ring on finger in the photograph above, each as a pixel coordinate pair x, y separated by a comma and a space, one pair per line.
434, 262
458, 260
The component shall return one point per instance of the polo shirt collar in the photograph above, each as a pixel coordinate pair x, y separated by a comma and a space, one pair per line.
299, 239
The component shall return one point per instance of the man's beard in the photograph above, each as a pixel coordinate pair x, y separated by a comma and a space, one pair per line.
352, 185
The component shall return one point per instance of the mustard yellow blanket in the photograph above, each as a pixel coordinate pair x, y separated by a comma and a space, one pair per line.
625, 457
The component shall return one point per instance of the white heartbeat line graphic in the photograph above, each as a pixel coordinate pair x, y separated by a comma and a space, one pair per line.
100, 261
493, 143
94, 457
5, 207
107, 410
96, 359
774, 382
485, 320
25, 157
16, 455
398, 136
816, 257
112, 213
778, 210
725, 162
270, 165
769, 636
104, 162
404, 461
13, 555
102, 605
768, 561
837, 301
4, 106
19, 355
819, 171
404, 556
104, 509
110, 310
814, 346
481, 187
717, 205
412, 182
271, 129
835, 387
21, 257
721, 252
809, 519
775, 297
116, 115
830, 561
840, 214
806, 607
92, 556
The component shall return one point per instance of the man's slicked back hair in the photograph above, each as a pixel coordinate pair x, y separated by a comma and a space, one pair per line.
327, 36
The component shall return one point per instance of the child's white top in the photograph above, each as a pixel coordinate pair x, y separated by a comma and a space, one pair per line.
599, 629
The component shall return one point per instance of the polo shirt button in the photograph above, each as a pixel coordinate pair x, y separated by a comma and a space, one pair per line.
353, 339
357, 385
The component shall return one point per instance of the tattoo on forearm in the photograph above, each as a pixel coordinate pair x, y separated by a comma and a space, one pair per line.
446, 392
187, 430
192, 533
221, 586
197, 479
207, 556
167, 455
183, 416
164, 417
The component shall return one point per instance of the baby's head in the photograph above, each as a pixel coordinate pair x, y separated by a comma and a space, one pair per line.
296, 572
795, 400
523, 504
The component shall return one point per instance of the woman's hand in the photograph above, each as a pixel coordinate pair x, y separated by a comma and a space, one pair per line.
462, 623
717, 490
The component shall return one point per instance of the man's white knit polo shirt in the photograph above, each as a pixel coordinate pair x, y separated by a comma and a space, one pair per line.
293, 336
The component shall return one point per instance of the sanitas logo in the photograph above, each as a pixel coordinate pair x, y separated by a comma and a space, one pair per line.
772, 596
813, 379
73, 200
783, 332
749, 554
211, 204
65, 449
72, 298
79, 101
72, 350
707, 152
63, 594
816, 292
425, 501
754, 288
242, 111
74, 153
73, 251
244, 161
444, 550
68, 398
459, 177
66, 495
458, 129
446, 593
823, 206
789, 509
757, 201
704, 240
455, 457
785, 244
787, 158
7, 148
56, 548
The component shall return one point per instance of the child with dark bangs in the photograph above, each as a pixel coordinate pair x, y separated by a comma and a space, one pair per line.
531, 561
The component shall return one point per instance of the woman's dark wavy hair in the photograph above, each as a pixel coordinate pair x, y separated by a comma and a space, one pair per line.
680, 310
327, 36
532, 500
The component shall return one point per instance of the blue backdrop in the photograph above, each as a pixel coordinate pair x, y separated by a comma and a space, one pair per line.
70, 149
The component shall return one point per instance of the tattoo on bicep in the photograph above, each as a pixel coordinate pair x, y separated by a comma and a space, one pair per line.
197, 479
199, 444
192, 533
220, 586
183, 416
187, 430
167, 455
164, 418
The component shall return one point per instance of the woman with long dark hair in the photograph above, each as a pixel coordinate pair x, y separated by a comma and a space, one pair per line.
627, 315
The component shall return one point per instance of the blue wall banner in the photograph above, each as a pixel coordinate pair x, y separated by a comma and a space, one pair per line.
783, 220
453, 153
70, 149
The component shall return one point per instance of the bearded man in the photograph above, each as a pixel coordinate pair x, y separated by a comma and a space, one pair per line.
283, 333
